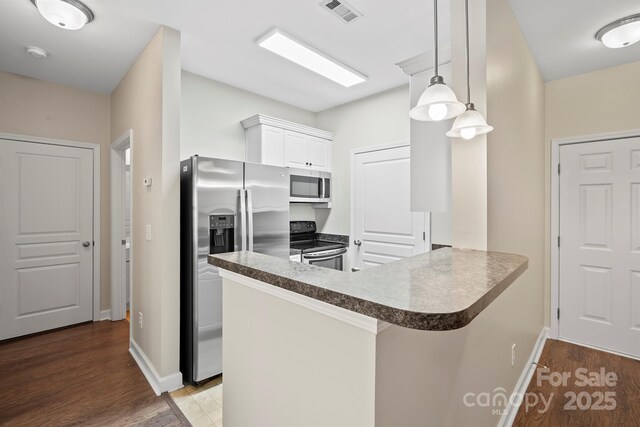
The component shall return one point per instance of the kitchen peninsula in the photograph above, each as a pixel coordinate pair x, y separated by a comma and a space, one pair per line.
389, 345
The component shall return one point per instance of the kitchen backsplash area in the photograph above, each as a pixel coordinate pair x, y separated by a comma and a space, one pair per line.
333, 238
301, 212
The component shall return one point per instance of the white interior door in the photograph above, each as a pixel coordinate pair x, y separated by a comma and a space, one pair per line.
46, 237
385, 227
599, 296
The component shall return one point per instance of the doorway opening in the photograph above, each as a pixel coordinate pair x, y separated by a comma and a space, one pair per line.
121, 227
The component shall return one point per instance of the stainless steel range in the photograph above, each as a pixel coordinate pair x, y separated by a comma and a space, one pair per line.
306, 247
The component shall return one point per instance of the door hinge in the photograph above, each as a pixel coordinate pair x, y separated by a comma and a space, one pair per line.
94, 243
558, 241
558, 168
558, 313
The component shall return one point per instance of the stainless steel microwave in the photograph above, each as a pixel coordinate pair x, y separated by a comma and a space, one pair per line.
309, 186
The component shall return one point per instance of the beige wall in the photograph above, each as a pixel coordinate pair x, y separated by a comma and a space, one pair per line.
292, 365
469, 157
375, 120
515, 166
39, 108
147, 100
598, 102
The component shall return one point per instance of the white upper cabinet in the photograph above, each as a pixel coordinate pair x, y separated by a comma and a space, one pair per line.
295, 148
319, 153
278, 142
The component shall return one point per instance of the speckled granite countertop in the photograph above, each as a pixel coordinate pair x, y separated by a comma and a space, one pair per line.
439, 290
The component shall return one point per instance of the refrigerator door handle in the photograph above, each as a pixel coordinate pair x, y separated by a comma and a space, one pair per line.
243, 220
249, 220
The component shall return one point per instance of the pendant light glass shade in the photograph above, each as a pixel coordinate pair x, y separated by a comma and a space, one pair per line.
469, 124
66, 14
438, 101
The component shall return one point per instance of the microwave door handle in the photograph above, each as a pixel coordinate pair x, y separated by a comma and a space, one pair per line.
249, 220
243, 220
324, 190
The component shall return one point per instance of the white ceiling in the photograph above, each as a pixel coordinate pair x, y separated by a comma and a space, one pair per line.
560, 34
93, 58
218, 42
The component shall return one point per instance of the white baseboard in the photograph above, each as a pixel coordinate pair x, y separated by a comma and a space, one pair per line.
105, 315
158, 384
510, 411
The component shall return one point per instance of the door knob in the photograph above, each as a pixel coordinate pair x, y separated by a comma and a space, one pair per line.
354, 269
86, 244
357, 242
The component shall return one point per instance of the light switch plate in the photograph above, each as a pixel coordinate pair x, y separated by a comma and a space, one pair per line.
148, 232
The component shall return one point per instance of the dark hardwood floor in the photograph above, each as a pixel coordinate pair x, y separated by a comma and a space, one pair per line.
561, 357
83, 375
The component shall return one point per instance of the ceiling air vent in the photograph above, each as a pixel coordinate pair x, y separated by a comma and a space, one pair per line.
340, 9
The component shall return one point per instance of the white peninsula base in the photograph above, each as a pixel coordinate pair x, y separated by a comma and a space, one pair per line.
290, 360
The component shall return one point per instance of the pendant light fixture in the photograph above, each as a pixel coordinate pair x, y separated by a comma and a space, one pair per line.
438, 101
470, 123
66, 14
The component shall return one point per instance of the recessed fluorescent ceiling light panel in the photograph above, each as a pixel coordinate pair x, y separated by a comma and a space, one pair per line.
302, 54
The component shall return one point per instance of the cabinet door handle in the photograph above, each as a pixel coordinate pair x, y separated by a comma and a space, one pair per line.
310, 164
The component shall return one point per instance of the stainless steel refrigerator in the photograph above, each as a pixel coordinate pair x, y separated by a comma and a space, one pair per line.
226, 206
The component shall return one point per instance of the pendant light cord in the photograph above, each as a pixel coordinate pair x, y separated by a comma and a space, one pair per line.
435, 35
466, 14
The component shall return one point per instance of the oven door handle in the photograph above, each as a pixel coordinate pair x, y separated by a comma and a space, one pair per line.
324, 257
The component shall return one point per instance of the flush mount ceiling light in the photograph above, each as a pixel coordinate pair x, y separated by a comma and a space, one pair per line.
438, 101
621, 33
470, 123
302, 54
67, 14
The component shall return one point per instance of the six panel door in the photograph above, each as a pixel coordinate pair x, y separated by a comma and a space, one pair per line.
600, 244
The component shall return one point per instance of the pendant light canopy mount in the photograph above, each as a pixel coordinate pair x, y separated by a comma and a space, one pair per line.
66, 14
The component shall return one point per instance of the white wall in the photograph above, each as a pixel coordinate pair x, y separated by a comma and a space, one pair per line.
210, 122
212, 112
375, 120
38, 108
598, 102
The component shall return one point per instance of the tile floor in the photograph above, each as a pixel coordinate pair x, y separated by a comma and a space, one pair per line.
201, 405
